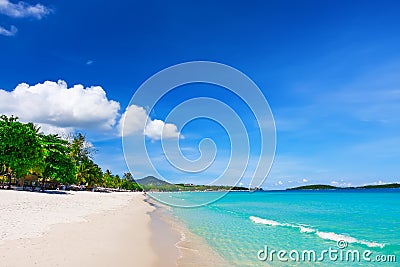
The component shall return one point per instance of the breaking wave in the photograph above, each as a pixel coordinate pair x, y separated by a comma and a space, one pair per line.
324, 235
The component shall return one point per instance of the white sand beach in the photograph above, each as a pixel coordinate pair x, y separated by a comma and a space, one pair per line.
94, 229
75, 229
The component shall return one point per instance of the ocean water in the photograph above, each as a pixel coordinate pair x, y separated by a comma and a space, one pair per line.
342, 228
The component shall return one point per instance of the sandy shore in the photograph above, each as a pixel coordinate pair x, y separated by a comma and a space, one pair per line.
75, 229
95, 229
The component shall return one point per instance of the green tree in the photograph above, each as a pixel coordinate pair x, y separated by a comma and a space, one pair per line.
108, 179
58, 164
20, 148
129, 177
88, 173
111, 181
80, 149
128, 182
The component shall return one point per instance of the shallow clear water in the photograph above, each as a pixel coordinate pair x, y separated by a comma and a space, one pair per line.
241, 224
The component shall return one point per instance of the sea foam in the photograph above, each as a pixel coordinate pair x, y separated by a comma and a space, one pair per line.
324, 235
264, 221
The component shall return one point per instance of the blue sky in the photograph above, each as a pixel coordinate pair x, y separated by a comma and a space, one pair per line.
329, 70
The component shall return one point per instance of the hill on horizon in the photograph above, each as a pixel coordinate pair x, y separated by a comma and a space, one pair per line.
151, 181
324, 187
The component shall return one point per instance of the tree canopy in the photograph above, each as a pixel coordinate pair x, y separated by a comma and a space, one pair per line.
58, 164
24, 151
20, 146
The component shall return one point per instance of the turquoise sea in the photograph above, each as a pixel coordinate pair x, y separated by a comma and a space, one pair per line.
342, 227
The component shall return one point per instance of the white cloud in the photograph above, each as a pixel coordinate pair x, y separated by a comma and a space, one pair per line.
50, 129
154, 129
55, 107
136, 120
305, 180
23, 10
11, 32
380, 182
341, 183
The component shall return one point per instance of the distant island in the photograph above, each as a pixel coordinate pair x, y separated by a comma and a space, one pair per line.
151, 183
330, 187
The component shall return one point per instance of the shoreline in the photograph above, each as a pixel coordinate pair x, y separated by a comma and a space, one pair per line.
192, 249
163, 238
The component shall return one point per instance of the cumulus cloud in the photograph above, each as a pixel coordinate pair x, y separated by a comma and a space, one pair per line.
157, 128
55, 107
23, 10
11, 32
65, 132
136, 120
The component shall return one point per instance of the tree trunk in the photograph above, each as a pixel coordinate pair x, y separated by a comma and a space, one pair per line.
9, 181
43, 184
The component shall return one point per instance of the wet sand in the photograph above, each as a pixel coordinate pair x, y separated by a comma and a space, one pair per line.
192, 249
